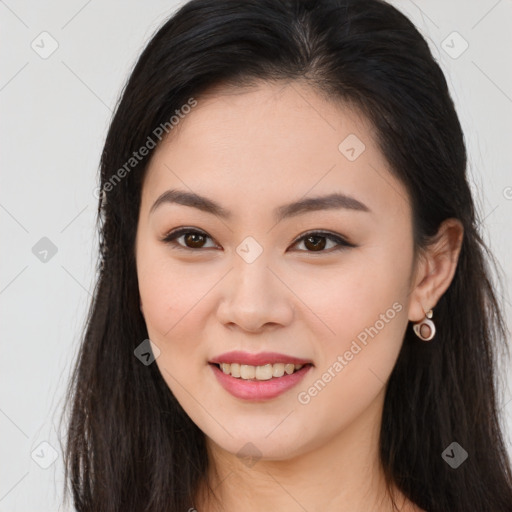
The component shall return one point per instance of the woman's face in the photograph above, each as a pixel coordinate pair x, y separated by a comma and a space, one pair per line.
250, 277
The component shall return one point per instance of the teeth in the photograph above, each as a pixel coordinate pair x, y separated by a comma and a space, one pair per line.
289, 368
278, 370
265, 372
247, 372
235, 370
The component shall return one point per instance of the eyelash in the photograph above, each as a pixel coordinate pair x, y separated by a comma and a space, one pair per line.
171, 237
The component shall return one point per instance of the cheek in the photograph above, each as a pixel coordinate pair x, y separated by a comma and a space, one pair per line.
172, 303
169, 292
365, 307
346, 300
360, 309
165, 303
172, 307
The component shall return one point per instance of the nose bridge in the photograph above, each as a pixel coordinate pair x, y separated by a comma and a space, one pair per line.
250, 262
251, 275
253, 296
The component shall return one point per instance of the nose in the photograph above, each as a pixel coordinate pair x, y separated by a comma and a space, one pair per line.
254, 297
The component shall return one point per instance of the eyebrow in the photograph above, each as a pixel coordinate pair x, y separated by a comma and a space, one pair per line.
311, 204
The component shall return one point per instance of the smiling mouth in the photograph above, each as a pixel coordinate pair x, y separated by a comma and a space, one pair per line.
264, 372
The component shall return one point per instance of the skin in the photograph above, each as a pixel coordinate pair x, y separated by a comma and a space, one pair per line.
253, 150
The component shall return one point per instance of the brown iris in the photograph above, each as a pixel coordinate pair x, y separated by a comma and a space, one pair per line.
195, 239
319, 245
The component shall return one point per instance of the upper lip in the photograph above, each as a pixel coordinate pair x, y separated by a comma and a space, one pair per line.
259, 359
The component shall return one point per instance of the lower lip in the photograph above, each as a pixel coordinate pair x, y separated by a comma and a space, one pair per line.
258, 390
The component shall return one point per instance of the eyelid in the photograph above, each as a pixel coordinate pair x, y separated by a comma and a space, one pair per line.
170, 237
341, 241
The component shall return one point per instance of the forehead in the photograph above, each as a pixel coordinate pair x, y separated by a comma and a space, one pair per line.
254, 146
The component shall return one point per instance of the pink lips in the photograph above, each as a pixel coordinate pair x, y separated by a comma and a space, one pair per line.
237, 356
258, 390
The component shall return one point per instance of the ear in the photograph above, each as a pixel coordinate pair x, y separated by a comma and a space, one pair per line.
435, 269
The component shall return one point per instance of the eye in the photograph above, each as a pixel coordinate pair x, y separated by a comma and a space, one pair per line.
314, 241
190, 236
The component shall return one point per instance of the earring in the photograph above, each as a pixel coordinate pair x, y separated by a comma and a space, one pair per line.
425, 330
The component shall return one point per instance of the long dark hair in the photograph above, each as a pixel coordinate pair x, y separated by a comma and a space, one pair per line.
130, 446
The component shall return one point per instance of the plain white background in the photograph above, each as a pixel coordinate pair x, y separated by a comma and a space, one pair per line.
55, 110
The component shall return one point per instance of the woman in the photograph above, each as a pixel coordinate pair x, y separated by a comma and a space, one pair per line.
294, 309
